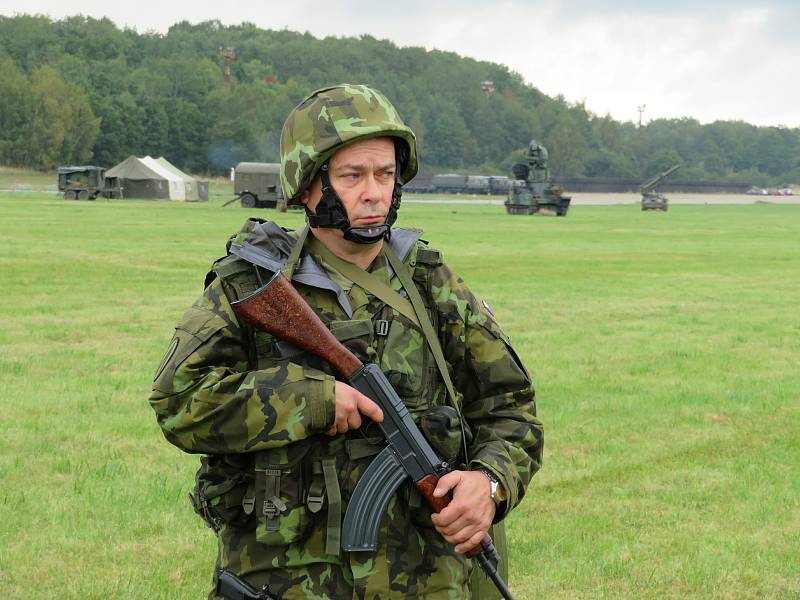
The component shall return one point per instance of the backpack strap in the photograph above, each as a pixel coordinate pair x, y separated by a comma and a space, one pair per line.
430, 334
366, 280
294, 257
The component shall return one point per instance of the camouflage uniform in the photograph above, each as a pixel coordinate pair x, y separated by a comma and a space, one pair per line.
248, 402
272, 484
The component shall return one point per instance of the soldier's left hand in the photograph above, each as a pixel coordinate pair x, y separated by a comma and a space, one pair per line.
469, 515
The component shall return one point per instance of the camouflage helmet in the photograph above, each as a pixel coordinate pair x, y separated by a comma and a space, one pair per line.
331, 118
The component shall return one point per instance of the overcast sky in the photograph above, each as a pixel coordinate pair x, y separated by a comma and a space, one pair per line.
713, 59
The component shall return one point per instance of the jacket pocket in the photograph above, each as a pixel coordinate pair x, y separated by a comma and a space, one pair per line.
281, 478
406, 362
219, 494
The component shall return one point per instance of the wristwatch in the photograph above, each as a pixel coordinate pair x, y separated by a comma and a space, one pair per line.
494, 484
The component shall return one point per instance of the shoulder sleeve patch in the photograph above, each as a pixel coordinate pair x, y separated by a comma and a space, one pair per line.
429, 256
196, 327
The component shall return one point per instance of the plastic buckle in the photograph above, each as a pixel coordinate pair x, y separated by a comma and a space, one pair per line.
315, 503
381, 327
273, 507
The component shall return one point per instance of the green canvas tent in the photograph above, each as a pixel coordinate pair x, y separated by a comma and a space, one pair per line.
145, 178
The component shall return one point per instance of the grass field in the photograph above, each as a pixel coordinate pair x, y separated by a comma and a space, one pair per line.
665, 350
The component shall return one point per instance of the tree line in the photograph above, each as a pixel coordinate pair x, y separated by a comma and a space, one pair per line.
83, 90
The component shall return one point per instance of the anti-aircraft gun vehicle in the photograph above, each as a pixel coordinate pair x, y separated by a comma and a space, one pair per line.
652, 200
84, 183
531, 192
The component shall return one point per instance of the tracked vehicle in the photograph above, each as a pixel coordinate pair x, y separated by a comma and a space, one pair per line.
531, 192
652, 200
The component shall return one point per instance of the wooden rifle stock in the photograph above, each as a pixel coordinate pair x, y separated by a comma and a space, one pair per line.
279, 309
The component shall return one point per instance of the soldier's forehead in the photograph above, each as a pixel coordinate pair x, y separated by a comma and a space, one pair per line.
379, 149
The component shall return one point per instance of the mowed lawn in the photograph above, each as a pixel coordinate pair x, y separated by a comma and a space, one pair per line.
665, 349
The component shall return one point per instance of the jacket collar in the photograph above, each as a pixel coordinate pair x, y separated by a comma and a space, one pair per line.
268, 245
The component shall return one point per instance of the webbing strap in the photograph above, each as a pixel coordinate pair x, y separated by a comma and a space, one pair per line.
366, 280
291, 263
430, 334
272, 506
333, 541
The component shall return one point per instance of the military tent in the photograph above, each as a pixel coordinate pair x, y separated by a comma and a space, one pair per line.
195, 190
146, 178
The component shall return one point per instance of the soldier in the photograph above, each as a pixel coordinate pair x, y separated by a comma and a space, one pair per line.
284, 442
537, 158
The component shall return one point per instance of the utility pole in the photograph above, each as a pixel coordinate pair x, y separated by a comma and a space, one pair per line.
227, 54
641, 110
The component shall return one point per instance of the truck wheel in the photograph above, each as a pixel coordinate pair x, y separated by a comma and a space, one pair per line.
248, 201
83, 195
69, 195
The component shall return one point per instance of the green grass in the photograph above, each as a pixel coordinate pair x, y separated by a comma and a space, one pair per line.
664, 348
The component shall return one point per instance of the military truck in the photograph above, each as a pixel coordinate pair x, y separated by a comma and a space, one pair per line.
651, 200
258, 185
83, 183
531, 192
450, 183
499, 184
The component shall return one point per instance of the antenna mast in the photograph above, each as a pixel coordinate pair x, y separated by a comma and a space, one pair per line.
227, 54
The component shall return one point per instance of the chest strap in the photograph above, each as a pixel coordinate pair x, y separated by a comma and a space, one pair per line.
430, 334
366, 280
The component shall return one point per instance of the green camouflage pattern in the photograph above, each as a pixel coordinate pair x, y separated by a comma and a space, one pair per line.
331, 118
235, 395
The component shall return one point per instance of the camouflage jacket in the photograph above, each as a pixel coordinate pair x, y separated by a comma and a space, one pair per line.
249, 401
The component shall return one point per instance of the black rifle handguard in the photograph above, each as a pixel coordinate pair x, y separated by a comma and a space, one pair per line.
229, 586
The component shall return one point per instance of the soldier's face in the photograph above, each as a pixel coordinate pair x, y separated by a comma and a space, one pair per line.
363, 176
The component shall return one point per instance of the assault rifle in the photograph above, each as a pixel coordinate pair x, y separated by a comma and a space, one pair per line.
279, 309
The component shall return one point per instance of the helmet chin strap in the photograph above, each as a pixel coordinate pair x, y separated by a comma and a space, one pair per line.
331, 213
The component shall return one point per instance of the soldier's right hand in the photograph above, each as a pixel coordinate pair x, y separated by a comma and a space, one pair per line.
350, 405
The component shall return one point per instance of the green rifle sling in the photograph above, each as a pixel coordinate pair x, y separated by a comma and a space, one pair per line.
366, 280
294, 257
430, 334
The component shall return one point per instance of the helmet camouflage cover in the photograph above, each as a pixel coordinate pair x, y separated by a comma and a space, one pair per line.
334, 117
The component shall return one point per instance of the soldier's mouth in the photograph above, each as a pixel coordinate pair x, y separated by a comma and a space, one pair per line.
371, 220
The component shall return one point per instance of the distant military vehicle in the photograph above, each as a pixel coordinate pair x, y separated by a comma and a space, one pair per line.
453, 183
651, 200
499, 184
257, 185
83, 183
531, 192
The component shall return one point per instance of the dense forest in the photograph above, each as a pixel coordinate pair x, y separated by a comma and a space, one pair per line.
81, 90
